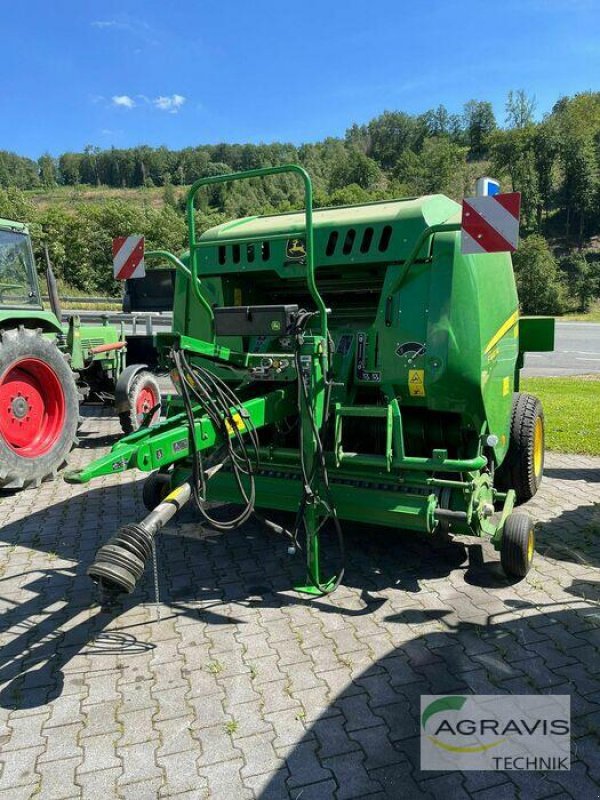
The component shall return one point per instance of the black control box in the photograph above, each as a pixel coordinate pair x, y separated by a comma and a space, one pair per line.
254, 320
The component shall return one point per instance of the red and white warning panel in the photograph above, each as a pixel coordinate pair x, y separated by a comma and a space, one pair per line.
128, 257
491, 224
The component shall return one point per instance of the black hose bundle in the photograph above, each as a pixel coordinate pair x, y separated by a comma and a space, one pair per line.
228, 415
225, 410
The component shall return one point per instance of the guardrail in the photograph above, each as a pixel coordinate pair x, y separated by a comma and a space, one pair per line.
84, 301
137, 323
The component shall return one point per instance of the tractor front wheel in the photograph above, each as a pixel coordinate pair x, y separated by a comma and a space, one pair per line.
143, 396
518, 545
39, 408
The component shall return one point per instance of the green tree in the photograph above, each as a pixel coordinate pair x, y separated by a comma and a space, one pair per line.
583, 278
355, 168
479, 121
390, 135
519, 109
580, 182
512, 154
441, 166
69, 168
538, 279
48, 171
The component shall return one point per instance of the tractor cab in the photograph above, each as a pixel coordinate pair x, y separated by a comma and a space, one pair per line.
19, 286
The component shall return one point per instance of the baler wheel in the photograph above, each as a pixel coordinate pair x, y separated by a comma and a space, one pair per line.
523, 466
39, 408
518, 545
156, 487
143, 396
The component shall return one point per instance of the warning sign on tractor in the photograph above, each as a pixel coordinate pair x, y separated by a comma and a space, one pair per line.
491, 224
128, 257
416, 382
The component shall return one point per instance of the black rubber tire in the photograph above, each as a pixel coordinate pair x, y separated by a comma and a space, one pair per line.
518, 545
130, 420
518, 471
156, 487
16, 471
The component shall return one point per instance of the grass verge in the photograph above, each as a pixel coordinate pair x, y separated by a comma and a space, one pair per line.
571, 409
591, 315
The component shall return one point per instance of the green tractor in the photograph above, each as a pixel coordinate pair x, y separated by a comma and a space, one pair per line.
351, 364
47, 369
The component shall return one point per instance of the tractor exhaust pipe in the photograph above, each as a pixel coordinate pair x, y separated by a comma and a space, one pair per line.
52, 287
120, 563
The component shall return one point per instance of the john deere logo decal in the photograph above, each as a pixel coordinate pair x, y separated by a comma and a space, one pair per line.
295, 249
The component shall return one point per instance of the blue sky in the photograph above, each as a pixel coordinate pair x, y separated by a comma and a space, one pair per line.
186, 73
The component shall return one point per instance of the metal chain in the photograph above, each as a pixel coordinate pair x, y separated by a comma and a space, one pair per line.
156, 587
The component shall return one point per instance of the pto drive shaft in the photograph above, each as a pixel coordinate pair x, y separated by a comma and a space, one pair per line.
120, 563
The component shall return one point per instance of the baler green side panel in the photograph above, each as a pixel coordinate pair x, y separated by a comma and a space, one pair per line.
536, 334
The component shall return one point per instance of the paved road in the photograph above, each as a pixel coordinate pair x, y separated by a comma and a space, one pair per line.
245, 690
576, 352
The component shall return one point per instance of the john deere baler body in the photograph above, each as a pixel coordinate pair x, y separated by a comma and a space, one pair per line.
392, 357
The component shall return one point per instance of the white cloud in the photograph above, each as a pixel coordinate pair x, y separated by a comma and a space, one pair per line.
107, 23
170, 103
123, 100
136, 28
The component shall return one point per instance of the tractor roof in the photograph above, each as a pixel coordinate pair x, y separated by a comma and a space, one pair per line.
7, 224
415, 211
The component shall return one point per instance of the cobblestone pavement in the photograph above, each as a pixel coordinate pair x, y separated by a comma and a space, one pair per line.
245, 690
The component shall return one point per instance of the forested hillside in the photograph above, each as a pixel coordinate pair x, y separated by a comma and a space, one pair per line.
79, 201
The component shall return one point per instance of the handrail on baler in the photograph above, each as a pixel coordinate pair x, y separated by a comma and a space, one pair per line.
442, 227
309, 236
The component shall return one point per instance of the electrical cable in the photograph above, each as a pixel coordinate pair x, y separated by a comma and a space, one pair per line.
222, 406
217, 401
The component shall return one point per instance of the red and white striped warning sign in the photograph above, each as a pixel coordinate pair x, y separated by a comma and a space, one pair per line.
128, 257
491, 224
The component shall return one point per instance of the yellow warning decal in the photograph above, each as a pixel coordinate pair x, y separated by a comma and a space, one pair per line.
416, 382
239, 423
505, 386
237, 296
173, 496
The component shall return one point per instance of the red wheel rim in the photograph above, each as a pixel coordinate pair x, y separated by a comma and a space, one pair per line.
145, 402
32, 407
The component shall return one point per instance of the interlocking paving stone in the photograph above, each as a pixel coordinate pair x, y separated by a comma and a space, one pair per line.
57, 779
244, 689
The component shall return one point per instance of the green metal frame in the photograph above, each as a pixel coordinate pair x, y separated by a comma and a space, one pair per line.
263, 172
169, 442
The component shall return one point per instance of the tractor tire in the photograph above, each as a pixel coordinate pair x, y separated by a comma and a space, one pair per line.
143, 396
156, 487
518, 545
39, 408
523, 465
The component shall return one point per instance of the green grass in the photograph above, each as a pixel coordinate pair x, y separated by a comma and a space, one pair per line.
67, 196
592, 315
571, 410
